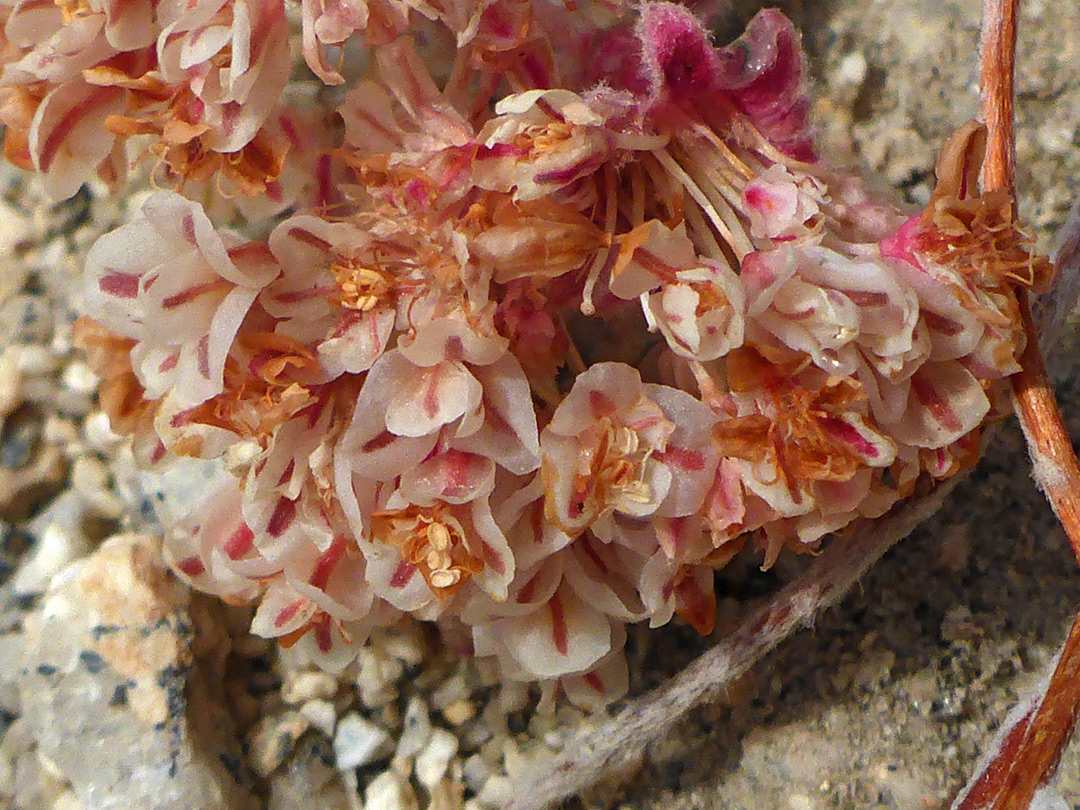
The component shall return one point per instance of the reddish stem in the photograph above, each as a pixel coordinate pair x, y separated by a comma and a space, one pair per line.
1030, 751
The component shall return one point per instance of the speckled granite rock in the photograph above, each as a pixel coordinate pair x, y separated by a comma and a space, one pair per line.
112, 694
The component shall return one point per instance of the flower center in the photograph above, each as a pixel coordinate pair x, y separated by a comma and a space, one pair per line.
73, 9
362, 288
617, 469
431, 539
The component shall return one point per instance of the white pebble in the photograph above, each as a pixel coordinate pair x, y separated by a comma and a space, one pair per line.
406, 645
300, 687
1048, 798
273, 738
90, 478
459, 712
79, 378
377, 677
59, 543
67, 801
64, 432
35, 360
358, 741
450, 691
13, 228
852, 70
322, 715
496, 792
476, 773
98, 432
10, 383
11, 664
513, 759
432, 762
19, 739
7, 777
416, 731
388, 791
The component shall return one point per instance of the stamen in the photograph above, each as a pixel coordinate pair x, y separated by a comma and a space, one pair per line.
602, 257
730, 159
742, 246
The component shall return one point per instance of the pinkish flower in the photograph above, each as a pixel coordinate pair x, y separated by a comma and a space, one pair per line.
542, 141
450, 545
233, 56
332, 294
617, 446
697, 303
436, 415
835, 308
67, 138
781, 204
180, 289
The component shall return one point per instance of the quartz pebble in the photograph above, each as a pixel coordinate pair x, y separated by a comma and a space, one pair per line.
67, 801
26, 318
377, 677
35, 360
10, 383
309, 781
406, 645
432, 762
321, 714
60, 541
98, 432
79, 378
273, 738
496, 792
7, 777
476, 772
300, 687
389, 791
358, 741
452, 690
11, 655
90, 478
459, 712
416, 730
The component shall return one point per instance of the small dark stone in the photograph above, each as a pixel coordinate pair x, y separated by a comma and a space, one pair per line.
673, 773
100, 630
93, 662
45, 670
233, 766
6, 719
20, 437
14, 542
320, 748
119, 696
517, 722
285, 744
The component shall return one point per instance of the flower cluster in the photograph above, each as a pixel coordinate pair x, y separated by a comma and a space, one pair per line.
573, 316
